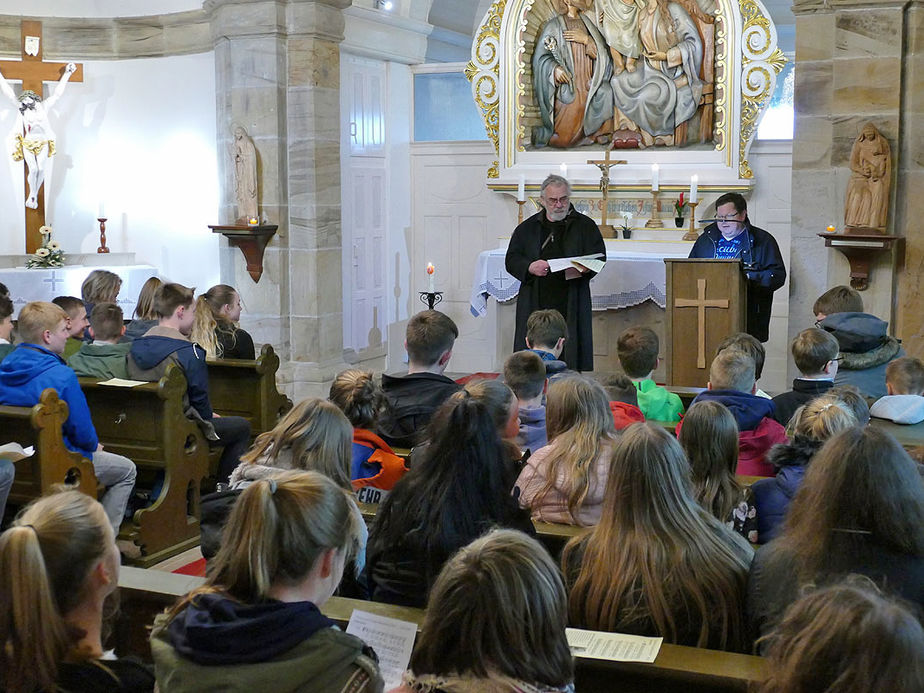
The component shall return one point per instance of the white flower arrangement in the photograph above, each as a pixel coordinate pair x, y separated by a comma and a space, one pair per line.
49, 255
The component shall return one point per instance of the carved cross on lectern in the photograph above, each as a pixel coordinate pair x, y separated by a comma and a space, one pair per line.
33, 72
700, 303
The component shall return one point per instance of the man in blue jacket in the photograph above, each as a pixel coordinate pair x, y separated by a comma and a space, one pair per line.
35, 365
168, 343
733, 237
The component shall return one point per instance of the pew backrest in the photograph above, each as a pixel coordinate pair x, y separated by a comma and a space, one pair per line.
239, 387
52, 463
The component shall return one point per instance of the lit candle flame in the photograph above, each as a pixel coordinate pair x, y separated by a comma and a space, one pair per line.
430, 268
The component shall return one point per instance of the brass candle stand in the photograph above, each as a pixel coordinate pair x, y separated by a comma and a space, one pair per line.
520, 204
655, 222
691, 234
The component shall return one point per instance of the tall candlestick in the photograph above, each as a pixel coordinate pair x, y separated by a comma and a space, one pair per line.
655, 178
694, 185
521, 189
430, 270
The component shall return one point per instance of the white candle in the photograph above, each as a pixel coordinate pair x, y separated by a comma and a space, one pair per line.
430, 270
521, 189
564, 170
694, 184
655, 183
102, 210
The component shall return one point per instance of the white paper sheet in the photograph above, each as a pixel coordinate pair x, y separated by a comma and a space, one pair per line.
15, 452
392, 640
590, 261
615, 647
122, 382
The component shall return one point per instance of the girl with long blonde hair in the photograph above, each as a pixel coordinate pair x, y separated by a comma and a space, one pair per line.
256, 623
657, 563
58, 564
565, 480
144, 317
709, 437
216, 326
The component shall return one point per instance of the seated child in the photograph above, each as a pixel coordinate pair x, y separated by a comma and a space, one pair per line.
100, 286
564, 482
413, 398
374, 468
35, 365
905, 384
76, 322
6, 326
104, 357
814, 352
750, 345
144, 317
865, 346
169, 343
524, 373
546, 332
637, 349
732, 382
623, 401
217, 313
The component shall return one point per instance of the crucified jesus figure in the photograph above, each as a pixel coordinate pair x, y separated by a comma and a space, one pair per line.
34, 138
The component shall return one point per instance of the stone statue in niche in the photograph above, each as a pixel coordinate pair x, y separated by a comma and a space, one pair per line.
867, 204
245, 175
571, 75
657, 67
34, 138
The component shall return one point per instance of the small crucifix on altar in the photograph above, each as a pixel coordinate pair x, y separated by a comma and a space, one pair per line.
33, 138
605, 165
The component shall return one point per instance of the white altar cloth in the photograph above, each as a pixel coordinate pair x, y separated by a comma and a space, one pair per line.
628, 279
27, 285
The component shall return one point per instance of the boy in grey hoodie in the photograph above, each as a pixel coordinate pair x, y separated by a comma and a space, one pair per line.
904, 402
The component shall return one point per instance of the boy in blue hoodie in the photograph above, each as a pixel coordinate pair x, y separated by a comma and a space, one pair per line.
638, 349
524, 373
36, 364
168, 343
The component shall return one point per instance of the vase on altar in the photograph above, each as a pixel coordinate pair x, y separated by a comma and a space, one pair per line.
678, 221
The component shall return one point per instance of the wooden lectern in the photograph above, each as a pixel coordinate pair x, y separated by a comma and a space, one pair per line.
706, 302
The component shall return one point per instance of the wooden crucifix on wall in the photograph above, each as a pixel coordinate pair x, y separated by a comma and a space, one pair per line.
34, 139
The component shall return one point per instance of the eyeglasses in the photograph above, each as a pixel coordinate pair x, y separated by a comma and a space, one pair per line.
555, 201
728, 217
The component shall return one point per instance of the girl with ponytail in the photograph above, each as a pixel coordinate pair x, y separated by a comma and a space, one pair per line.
216, 330
457, 489
58, 563
256, 623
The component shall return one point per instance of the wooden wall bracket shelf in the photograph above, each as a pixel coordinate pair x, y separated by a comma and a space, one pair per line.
860, 247
252, 241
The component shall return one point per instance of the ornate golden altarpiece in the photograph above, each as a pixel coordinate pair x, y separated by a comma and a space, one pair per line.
743, 67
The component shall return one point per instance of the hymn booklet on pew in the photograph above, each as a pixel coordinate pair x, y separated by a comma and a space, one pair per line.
616, 647
15, 452
594, 263
122, 382
391, 638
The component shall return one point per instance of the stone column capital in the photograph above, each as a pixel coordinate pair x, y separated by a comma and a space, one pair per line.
257, 18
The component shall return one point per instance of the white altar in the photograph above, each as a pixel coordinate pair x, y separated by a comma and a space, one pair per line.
27, 285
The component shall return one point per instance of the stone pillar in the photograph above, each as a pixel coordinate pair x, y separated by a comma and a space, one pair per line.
278, 74
850, 69
910, 184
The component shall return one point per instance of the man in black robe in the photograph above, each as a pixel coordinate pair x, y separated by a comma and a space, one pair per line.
558, 230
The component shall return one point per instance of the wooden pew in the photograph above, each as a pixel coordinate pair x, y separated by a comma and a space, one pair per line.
145, 593
147, 425
52, 463
239, 387
909, 436
686, 394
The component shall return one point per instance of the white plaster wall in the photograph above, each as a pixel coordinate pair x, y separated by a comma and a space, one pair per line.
138, 135
97, 8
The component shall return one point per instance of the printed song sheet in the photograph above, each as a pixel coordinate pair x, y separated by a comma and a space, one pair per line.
594, 263
616, 647
392, 640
